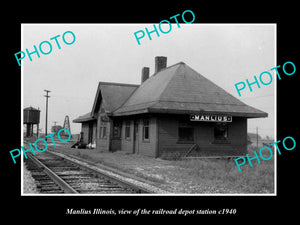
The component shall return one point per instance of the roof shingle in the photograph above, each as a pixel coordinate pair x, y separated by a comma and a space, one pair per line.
112, 96
180, 89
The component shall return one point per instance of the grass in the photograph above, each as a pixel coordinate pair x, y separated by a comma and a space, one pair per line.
189, 175
223, 175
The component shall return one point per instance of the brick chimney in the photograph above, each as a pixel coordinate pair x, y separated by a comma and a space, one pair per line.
145, 74
160, 63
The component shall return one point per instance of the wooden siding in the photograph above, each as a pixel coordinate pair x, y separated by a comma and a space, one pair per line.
140, 146
203, 137
147, 147
85, 130
95, 133
163, 136
127, 144
103, 144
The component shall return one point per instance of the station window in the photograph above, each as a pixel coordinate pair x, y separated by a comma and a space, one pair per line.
146, 130
127, 129
185, 132
221, 131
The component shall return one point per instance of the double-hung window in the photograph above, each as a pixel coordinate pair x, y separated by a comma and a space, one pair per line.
146, 134
127, 129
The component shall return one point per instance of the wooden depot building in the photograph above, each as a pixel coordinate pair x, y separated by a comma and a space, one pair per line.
176, 111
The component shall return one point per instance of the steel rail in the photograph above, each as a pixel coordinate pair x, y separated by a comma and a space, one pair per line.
126, 184
65, 186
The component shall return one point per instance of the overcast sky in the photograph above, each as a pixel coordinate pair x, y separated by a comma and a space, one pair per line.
223, 53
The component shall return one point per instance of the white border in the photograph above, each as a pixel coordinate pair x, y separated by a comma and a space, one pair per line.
275, 115
22, 107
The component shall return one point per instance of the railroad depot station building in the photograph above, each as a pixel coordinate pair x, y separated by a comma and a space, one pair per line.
174, 111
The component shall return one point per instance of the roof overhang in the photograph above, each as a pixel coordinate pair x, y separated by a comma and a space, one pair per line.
84, 118
185, 112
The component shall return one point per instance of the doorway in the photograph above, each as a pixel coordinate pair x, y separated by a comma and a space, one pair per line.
136, 137
90, 134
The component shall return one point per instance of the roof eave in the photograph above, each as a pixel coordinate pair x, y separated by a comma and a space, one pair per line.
83, 120
174, 111
257, 115
129, 113
237, 114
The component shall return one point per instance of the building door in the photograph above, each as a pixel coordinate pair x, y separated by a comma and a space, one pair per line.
136, 137
90, 137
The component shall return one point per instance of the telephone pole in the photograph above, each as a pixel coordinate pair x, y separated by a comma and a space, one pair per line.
257, 138
47, 96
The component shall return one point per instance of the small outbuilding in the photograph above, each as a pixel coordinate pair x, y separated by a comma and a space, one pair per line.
176, 111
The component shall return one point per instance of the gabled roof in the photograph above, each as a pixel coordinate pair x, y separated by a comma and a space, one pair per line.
84, 118
180, 89
112, 96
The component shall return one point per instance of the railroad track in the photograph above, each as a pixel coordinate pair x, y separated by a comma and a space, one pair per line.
56, 175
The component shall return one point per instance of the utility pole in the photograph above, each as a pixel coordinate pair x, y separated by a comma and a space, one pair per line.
257, 138
37, 128
47, 96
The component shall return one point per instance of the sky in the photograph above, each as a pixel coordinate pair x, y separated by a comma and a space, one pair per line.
224, 53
